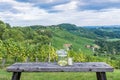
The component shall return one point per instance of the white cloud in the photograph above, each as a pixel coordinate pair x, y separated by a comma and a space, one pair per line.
31, 15
103, 1
41, 1
50, 1
46, 1
106, 17
26, 11
68, 6
6, 0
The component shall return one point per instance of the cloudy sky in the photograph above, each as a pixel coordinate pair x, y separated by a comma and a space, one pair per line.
51, 12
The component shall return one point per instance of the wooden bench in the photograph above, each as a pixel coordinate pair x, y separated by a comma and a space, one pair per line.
99, 67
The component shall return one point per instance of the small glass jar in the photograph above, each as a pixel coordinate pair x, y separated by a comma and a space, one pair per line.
62, 57
70, 61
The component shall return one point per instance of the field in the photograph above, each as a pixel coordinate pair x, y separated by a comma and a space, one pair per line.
59, 76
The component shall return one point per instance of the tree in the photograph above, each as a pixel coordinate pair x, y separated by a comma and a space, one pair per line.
42, 39
2, 28
8, 25
14, 34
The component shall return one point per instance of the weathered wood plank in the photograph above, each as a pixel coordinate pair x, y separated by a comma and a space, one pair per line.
54, 67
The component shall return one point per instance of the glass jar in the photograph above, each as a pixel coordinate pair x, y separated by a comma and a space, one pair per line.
62, 57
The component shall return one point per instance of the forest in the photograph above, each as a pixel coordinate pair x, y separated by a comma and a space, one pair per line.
39, 43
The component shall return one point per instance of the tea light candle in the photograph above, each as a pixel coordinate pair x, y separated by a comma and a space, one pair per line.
70, 61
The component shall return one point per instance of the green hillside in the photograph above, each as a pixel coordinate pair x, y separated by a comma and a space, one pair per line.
61, 37
63, 34
79, 31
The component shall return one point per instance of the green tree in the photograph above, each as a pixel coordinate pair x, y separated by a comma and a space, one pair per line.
14, 34
2, 28
8, 25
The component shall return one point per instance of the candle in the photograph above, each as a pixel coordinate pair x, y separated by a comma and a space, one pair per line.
70, 61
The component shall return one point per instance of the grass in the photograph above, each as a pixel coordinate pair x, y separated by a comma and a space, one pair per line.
59, 75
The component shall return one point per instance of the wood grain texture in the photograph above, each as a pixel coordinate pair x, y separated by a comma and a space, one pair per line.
54, 67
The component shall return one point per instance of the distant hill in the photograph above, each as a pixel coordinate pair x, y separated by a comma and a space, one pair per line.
93, 32
67, 34
79, 31
107, 26
79, 37
105, 31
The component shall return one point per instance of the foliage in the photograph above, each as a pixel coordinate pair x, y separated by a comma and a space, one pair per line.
2, 28
39, 43
108, 46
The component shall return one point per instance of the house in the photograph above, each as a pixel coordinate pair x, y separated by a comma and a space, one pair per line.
67, 46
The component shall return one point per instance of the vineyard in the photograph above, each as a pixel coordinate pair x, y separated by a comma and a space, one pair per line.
12, 52
39, 44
